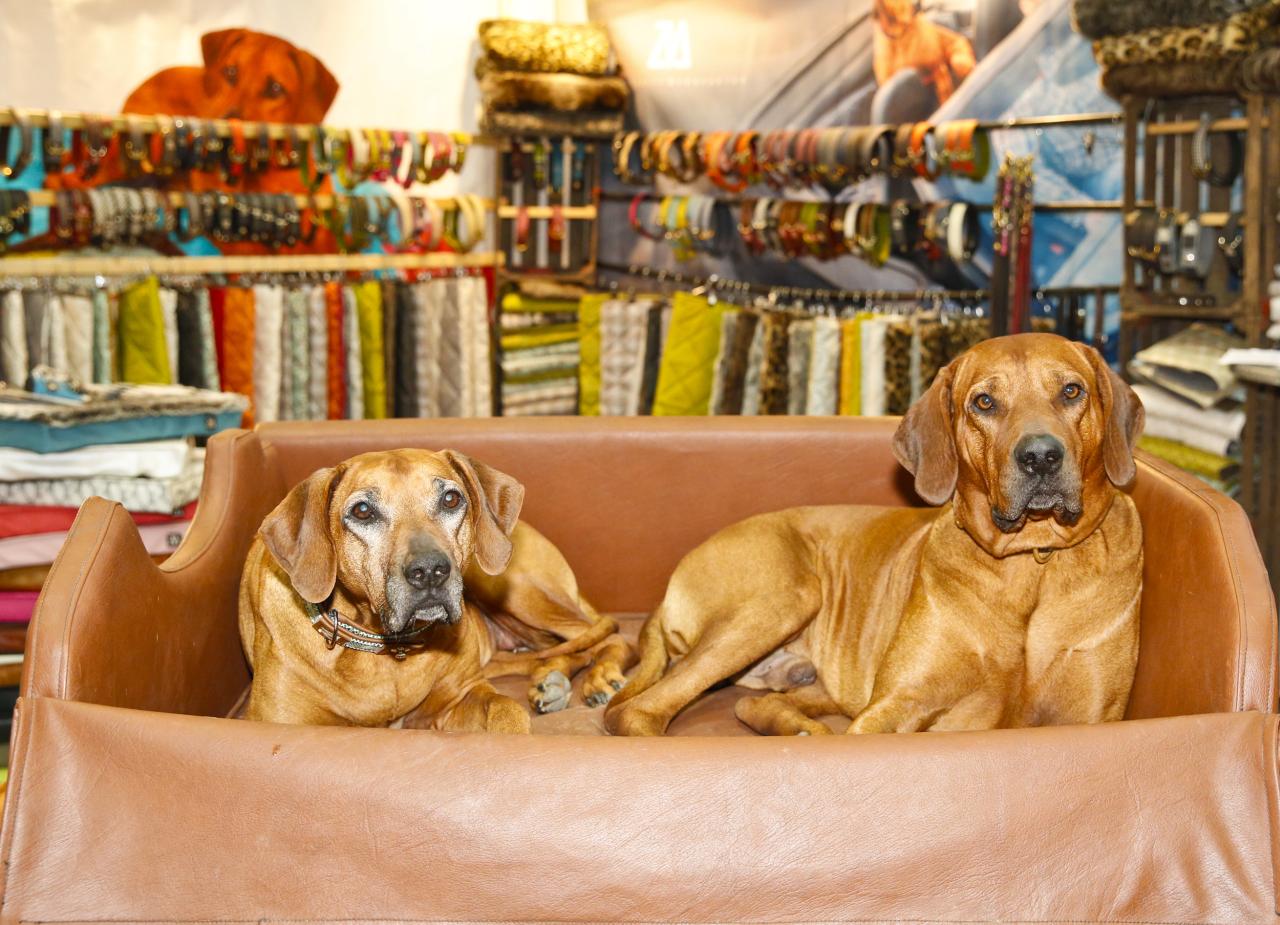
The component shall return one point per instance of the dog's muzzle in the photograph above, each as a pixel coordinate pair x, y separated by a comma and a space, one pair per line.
428, 590
1039, 486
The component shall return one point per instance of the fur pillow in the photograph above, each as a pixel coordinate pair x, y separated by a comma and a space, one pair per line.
512, 45
1234, 37
1098, 18
1177, 78
513, 90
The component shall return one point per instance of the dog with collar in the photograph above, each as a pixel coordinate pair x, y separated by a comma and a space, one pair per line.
389, 588
1014, 603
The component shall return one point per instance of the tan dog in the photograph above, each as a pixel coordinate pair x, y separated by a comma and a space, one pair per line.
1014, 604
906, 39
387, 543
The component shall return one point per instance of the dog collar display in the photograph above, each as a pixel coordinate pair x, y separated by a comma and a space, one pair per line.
336, 631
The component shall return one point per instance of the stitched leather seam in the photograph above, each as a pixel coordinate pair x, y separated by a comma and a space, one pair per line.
13, 794
1270, 770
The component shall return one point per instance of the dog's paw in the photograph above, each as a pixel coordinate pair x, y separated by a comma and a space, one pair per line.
601, 683
552, 693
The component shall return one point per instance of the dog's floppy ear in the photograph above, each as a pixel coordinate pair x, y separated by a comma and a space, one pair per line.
1123, 418
212, 44
495, 506
297, 534
317, 89
925, 443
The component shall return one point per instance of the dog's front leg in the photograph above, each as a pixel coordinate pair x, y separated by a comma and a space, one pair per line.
482, 709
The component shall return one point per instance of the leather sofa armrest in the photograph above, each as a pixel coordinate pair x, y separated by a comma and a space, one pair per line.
1208, 637
111, 627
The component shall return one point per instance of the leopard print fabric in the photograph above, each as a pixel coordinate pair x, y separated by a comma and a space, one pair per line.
1234, 37
773, 371
514, 45
932, 336
897, 367
963, 333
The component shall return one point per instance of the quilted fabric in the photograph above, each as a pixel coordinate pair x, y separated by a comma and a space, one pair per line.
191, 344
406, 383
589, 353
688, 357
477, 360
217, 315
851, 364
733, 374
77, 318
317, 354
336, 391
169, 315
297, 366
428, 299
824, 367
144, 357
268, 328
390, 334
373, 369
102, 338
655, 337
799, 348
13, 338
353, 357
448, 351
46, 332
728, 327
873, 331
755, 366
622, 338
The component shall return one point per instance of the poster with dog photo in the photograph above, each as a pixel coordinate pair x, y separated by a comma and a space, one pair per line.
287, 61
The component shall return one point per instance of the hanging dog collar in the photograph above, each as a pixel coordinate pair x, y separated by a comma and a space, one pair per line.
334, 631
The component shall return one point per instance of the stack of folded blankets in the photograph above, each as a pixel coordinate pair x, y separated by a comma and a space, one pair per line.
539, 338
540, 79
132, 444
1183, 47
1193, 404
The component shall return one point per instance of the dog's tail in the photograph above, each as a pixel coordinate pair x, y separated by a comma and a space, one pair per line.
594, 632
653, 661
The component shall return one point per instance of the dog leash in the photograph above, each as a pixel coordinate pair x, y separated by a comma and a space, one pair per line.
336, 631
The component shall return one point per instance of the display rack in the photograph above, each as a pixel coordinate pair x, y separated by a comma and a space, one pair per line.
1158, 139
88, 266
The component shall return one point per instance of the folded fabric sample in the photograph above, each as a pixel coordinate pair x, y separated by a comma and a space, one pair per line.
17, 606
519, 302
1260, 72
1163, 405
25, 519
1172, 78
13, 636
1189, 364
687, 367
155, 459
136, 494
512, 321
1192, 459
117, 414
514, 90
1236, 36
42, 548
555, 406
541, 337
1097, 18
585, 124
30, 578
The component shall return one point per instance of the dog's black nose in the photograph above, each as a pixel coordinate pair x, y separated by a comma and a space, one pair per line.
1039, 454
427, 571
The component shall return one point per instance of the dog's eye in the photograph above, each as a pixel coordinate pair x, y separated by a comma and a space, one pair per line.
231, 73
274, 90
362, 510
451, 499
984, 402
1071, 391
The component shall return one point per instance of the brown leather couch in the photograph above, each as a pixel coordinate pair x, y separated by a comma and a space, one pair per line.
132, 798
